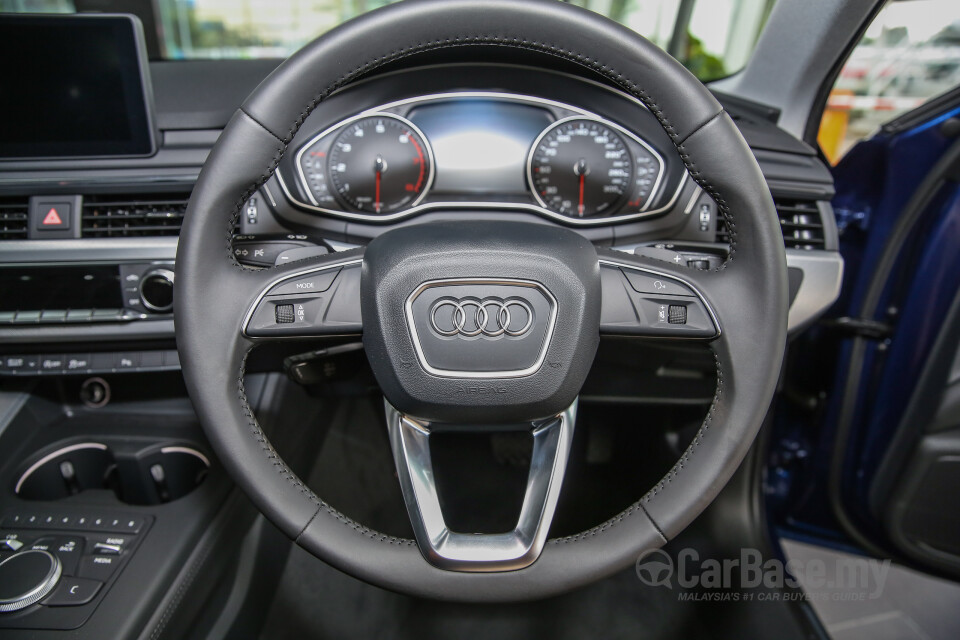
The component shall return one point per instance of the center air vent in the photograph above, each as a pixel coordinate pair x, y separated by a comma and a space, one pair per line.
133, 215
800, 223
13, 218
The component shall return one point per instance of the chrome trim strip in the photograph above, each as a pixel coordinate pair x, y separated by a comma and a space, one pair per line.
424, 207
445, 549
187, 450
693, 200
266, 190
497, 206
344, 123
533, 147
283, 278
50, 456
88, 250
446, 373
713, 316
62, 178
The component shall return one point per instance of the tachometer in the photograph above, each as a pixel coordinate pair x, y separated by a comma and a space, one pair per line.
380, 164
579, 168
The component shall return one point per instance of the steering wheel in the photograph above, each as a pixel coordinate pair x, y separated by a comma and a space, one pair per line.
479, 325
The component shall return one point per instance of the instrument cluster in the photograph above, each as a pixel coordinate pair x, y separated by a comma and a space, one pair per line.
463, 150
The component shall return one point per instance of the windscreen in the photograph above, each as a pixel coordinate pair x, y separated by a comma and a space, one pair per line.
712, 38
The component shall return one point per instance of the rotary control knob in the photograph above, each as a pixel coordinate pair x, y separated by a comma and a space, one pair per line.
26, 578
156, 290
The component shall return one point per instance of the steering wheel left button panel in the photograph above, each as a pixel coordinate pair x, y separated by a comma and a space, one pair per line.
317, 302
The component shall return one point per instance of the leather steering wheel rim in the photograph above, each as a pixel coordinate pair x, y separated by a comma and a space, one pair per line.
749, 291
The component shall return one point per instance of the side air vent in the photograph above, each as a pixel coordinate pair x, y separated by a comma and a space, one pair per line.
132, 215
800, 223
13, 218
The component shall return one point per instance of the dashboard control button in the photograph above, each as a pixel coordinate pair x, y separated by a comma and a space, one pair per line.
101, 315
650, 283
117, 540
19, 364
27, 577
102, 362
27, 317
98, 567
104, 549
263, 253
52, 364
13, 520
79, 315
10, 544
122, 524
677, 314
151, 359
67, 549
126, 360
659, 253
76, 362
314, 283
658, 317
73, 592
292, 255
7, 316
53, 315
54, 217
156, 290
284, 313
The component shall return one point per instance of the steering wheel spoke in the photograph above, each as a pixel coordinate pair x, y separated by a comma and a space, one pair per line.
656, 300
463, 551
307, 301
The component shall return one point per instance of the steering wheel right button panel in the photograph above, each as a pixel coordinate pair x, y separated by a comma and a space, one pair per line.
643, 302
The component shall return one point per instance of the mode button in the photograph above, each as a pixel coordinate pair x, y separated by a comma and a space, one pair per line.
311, 283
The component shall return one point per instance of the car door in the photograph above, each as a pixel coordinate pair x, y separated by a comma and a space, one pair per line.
869, 442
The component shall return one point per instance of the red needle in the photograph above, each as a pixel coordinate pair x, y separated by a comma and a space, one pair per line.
376, 197
580, 206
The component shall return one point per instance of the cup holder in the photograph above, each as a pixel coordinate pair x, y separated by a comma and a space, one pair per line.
65, 472
140, 475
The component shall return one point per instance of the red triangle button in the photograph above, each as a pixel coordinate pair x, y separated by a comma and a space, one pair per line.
52, 218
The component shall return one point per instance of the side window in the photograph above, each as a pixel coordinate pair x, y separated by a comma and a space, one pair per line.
909, 54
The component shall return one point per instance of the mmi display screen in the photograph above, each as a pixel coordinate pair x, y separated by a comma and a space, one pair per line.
73, 86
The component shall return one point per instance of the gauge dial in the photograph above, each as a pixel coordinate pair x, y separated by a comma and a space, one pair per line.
379, 164
580, 168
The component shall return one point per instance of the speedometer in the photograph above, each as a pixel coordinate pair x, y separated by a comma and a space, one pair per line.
580, 168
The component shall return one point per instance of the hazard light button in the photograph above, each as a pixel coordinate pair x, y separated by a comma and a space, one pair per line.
53, 219
57, 216
53, 216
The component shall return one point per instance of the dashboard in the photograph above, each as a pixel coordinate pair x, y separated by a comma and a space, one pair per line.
428, 143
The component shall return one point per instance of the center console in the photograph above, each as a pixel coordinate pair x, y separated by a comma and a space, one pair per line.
103, 501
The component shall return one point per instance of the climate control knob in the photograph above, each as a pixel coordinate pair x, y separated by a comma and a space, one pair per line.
156, 290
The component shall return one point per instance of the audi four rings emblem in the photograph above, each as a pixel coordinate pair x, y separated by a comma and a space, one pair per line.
490, 311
